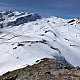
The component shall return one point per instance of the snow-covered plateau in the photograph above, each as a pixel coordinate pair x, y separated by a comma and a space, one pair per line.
26, 37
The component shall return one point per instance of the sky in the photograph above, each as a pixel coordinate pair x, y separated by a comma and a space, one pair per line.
45, 8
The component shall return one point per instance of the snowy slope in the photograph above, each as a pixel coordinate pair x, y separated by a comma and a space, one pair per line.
47, 37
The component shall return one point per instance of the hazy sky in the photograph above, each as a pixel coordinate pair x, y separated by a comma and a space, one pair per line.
60, 8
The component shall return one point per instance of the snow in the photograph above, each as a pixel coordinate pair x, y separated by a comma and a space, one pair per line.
15, 18
47, 37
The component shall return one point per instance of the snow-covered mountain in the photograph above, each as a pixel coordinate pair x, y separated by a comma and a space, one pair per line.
14, 18
26, 37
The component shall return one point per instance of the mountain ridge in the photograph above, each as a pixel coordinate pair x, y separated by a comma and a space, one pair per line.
51, 37
15, 18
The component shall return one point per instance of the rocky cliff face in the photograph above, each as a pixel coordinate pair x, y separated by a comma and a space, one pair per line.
14, 18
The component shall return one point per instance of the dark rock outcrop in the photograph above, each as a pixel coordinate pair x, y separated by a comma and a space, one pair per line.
13, 18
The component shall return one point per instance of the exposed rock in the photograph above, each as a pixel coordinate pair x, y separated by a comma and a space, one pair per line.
14, 18
46, 69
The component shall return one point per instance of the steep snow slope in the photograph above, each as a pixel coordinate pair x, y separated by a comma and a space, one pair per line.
48, 37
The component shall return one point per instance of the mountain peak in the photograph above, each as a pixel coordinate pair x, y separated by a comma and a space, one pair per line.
15, 18
27, 39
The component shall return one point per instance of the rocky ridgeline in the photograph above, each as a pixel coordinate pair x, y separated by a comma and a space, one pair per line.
45, 69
